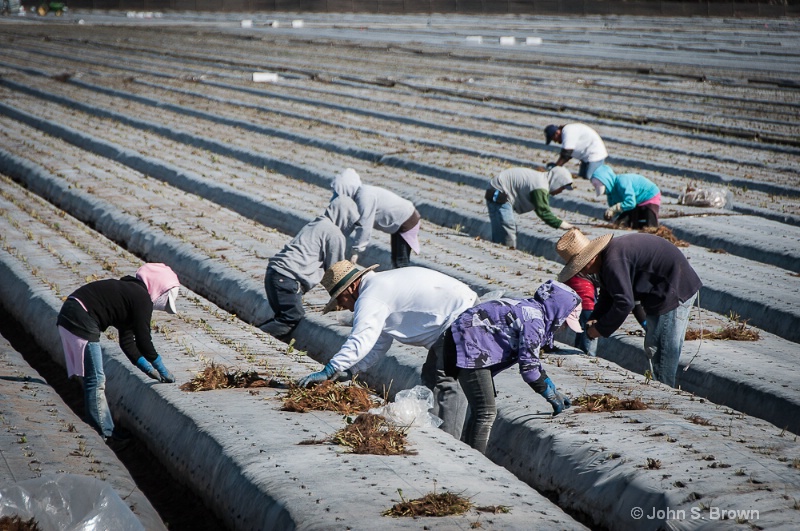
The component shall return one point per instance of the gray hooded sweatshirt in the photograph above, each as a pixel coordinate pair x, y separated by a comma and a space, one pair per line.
530, 190
318, 245
378, 208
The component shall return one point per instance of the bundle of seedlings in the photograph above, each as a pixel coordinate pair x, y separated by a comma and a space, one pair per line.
220, 377
442, 504
736, 330
373, 434
15, 523
598, 403
350, 398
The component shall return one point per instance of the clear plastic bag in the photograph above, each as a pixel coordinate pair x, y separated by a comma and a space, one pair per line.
68, 502
410, 408
705, 197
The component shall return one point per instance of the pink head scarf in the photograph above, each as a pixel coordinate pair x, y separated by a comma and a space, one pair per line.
159, 279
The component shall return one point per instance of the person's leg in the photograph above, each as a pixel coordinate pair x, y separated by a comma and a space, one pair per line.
582, 341
449, 403
504, 226
286, 300
478, 386
94, 390
664, 340
586, 169
401, 251
650, 215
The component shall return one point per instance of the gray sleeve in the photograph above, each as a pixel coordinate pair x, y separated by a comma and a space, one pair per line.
367, 206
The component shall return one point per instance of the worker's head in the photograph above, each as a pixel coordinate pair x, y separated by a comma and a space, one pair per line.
560, 179
343, 280
560, 306
579, 253
162, 285
552, 133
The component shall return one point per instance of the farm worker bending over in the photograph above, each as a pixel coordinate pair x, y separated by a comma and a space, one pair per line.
126, 304
636, 267
633, 198
383, 210
299, 266
413, 305
521, 190
497, 334
577, 141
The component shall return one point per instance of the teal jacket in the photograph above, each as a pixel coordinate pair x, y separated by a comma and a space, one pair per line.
629, 189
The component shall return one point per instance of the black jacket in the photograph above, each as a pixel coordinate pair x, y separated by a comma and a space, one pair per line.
641, 267
123, 304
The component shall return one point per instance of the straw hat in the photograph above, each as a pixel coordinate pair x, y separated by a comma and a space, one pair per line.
338, 277
577, 251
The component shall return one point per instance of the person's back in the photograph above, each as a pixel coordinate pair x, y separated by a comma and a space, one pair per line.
415, 304
585, 143
518, 184
318, 245
642, 267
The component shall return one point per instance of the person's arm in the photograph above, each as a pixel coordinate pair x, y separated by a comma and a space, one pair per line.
616, 299
564, 157
530, 366
366, 343
541, 206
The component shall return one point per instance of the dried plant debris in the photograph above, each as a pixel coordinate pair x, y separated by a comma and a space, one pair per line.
665, 233
598, 403
373, 434
348, 399
697, 419
15, 523
220, 377
736, 330
653, 464
442, 504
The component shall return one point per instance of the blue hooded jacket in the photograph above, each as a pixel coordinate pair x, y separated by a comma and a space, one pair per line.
629, 189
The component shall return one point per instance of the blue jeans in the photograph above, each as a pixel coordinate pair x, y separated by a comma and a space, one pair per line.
586, 169
478, 386
504, 226
94, 390
286, 300
449, 403
582, 341
663, 340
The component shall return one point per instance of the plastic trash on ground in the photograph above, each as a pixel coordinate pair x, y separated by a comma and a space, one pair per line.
706, 197
68, 502
410, 408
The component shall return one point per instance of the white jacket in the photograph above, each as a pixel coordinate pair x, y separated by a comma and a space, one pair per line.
413, 305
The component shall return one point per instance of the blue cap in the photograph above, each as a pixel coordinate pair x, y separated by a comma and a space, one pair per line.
549, 132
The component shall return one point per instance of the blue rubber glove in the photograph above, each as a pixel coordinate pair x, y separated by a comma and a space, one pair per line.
163, 372
148, 369
316, 377
558, 400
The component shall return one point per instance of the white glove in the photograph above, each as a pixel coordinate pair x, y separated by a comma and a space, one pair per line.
566, 225
611, 212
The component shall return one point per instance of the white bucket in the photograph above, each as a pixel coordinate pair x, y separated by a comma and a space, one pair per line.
265, 77
508, 41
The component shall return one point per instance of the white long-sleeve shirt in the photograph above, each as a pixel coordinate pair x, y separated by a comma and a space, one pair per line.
586, 144
413, 305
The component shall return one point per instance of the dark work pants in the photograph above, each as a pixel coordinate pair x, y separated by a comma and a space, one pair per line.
640, 217
286, 300
401, 251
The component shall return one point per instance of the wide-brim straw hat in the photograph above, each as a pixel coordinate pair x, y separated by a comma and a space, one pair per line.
337, 279
577, 251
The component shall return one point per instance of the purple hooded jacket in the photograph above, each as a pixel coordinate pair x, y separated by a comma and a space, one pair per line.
498, 333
